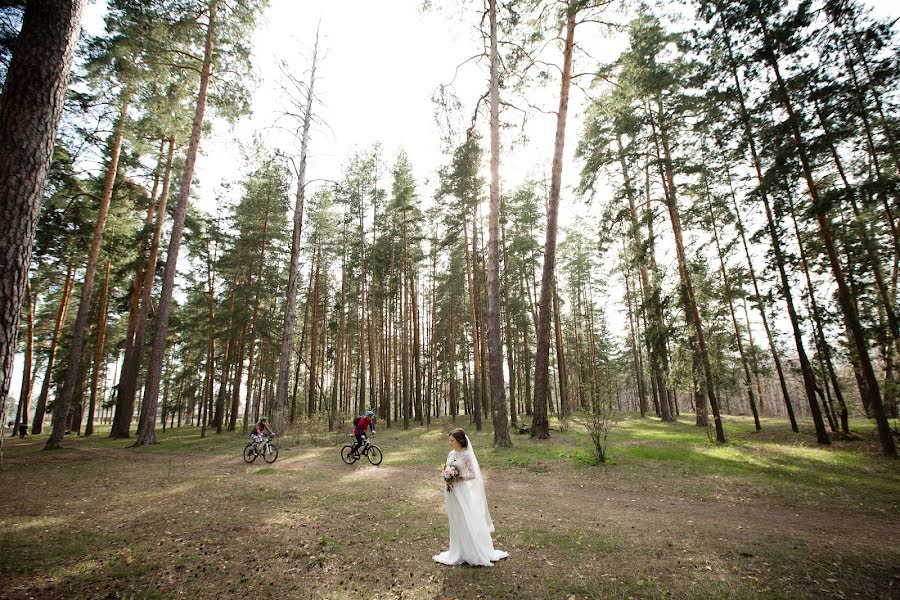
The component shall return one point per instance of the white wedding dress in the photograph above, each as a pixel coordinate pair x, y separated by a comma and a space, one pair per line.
470, 519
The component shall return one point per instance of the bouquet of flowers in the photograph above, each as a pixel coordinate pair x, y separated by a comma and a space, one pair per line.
450, 475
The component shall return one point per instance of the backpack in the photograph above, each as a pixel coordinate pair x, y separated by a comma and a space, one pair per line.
356, 421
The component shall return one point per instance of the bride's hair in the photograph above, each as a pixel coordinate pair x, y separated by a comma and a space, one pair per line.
460, 436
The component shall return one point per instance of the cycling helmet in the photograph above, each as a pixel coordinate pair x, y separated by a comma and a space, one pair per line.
261, 419
369, 413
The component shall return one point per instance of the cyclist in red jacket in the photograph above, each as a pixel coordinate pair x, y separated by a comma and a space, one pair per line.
262, 428
359, 430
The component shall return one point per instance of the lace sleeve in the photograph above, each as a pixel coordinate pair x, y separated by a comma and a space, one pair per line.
466, 472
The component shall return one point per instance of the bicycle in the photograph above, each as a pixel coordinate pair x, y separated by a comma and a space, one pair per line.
368, 449
269, 451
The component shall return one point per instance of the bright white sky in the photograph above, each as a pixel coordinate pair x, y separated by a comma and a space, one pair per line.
375, 82
383, 62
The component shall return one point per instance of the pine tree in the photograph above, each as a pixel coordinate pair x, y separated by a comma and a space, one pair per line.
30, 109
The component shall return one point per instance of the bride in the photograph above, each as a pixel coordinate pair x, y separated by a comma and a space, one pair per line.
467, 510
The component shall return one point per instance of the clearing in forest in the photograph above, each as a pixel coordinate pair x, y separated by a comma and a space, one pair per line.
767, 516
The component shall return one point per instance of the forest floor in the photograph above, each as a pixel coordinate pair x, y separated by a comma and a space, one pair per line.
770, 515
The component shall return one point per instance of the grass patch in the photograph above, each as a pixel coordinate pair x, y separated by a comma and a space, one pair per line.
576, 541
266, 471
31, 549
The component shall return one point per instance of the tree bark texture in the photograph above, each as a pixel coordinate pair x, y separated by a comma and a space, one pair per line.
30, 109
99, 364
39, 410
131, 365
540, 424
470, 275
290, 316
73, 367
158, 350
773, 233
27, 380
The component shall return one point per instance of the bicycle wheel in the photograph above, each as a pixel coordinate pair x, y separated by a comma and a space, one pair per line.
347, 456
249, 454
271, 453
373, 453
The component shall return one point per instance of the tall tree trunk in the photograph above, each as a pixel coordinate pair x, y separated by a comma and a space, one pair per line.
675, 217
302, 345
236, 382
112, 395
659, 332
361, 353
386, 329
753, 356
227, 358
470, 276
313, 341
206, 397
540, 427
323, 405
140, 265
748, 379
30, 107
805, 368
338, 394
564, 409
451, 366
290, 317
481, 289
495, 343
824, 349
635, 352
165, 402
826, 400
844, 296
526, 352
416, 350
27, 379
776, 357
157, 352
235, 403
76, 346
390, 349
466, 384
652, 305
595, 383
72, 420
403, 306
433, 389
99, 365
371, 298
578, 400
510, 344
131, 365
249, 394
261, 379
